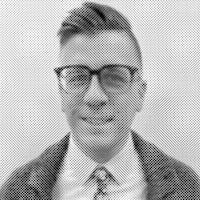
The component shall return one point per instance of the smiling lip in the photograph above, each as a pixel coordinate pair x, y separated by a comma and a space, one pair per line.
97, 121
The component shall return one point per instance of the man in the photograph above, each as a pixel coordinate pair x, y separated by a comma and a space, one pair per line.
101, 88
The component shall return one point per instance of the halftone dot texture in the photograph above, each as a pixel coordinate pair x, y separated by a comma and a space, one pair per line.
166, 177
98, 105
175, 181
102, 178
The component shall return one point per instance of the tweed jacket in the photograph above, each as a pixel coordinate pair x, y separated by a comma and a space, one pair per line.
166, 177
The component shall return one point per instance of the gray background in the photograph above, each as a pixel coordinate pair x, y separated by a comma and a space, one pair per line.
31, 119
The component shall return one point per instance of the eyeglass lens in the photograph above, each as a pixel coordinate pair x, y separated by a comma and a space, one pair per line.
75, 79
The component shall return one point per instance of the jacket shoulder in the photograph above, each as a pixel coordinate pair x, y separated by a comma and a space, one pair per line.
189, 181
16, 185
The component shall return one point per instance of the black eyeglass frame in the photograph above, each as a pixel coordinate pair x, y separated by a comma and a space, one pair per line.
132, 70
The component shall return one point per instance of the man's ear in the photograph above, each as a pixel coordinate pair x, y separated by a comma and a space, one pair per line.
142, 91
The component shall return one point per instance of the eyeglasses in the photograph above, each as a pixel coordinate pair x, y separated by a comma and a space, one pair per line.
112, 78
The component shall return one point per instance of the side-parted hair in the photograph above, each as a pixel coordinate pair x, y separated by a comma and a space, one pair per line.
92, 18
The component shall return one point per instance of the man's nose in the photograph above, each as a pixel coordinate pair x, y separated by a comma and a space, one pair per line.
95, 96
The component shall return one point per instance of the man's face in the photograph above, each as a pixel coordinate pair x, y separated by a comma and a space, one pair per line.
107, 47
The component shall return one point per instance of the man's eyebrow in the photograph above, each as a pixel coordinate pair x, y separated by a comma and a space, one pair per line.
105, 65
59, 69
87, 66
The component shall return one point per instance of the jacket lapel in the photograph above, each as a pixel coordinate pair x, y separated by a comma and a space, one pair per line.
158, 169
45, 171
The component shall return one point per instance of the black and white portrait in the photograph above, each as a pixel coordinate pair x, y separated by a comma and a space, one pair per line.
100, 99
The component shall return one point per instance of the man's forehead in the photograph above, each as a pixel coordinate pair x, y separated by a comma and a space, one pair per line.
107, 45
111, 37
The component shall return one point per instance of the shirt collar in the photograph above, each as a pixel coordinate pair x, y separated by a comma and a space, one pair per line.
121, 166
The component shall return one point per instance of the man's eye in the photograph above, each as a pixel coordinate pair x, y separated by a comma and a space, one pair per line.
114, 77
80, 77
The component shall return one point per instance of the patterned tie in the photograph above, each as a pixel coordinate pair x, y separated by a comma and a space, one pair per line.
102, 177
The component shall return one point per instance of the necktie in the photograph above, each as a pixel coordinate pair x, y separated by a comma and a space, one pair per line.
102, 177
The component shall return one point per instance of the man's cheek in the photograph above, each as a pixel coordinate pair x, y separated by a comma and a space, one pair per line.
120, 113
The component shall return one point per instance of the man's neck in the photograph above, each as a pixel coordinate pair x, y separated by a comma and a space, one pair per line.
102, 155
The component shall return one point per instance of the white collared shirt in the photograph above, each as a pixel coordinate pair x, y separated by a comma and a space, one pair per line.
77, 168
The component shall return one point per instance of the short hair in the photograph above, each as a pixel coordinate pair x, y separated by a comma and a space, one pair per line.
92, 18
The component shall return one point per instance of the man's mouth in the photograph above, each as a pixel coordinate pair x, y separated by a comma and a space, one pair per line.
97, 121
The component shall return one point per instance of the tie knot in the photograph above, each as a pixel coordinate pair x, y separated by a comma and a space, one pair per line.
103, 177
101, 173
